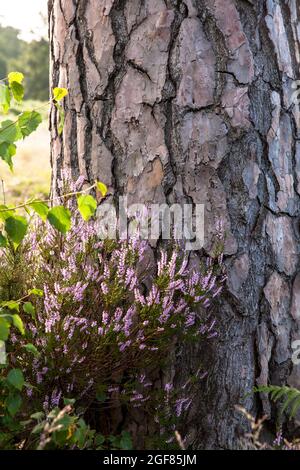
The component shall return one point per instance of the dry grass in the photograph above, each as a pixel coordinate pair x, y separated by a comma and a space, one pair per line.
31, 176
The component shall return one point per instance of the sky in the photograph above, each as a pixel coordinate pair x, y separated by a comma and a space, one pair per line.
24, 15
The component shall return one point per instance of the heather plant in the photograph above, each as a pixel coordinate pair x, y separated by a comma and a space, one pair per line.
84, 325
96, 330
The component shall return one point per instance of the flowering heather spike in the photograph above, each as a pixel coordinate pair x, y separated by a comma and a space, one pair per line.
182, 270
162, 263
172, 265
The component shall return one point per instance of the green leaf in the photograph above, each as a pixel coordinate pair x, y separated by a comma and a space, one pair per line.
7, 151
87, 206
60, 218
16, 228
10, 132
32, 349
38, 415
3, 241
4, 329
17, 91
5, 213
102, 188
40, 208
13, 403
37, 292
59, 93
4, 98
28, 122
69, 401
126, 441
11, 305
38, 428
99, 440
18, 323
17, 77
29, 308
16, 379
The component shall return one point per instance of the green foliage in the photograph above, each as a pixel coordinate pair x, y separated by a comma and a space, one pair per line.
15, 226
289, 395
32, 349
28, 122
4, 328
31, 58
29, 308
10, 131
64, 429
16, 379
15, 80
37, 292
16, 229
59, 93
87, 206
41, 208
7, 151
60, 218
35, 64
102, 188
3, 241
15, 77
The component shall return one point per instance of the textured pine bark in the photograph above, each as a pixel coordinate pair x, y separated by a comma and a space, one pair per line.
190, 101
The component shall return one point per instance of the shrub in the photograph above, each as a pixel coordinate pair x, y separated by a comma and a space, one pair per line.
97, 330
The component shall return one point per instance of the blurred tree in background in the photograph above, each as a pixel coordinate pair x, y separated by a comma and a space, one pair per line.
31, 58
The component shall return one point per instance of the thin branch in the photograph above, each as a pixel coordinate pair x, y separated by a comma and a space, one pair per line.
45, 201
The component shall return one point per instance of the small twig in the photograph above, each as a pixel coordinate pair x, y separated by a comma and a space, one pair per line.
50, 428
179, 440
45, 201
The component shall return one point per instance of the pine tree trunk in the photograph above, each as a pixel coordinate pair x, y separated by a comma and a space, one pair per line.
192, 101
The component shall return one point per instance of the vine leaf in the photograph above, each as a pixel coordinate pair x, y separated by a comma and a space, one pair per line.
102, 188
16, 228
87, 206
7, 151
28, 122
16, 77
16, 379
40, 208
59, 93
60, 218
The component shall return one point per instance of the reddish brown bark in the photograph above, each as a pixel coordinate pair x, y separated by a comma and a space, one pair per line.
174, 101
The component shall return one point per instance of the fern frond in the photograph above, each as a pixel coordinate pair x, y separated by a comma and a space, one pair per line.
291, 397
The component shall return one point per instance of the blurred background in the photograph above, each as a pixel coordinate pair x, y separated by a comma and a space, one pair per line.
24, 47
